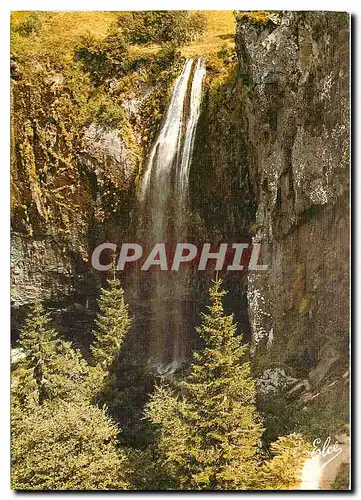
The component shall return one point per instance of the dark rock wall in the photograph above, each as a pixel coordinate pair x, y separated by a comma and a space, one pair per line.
296, 118
221, 195
71, 188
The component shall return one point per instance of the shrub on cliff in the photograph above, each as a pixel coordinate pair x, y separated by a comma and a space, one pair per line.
103, 59
30, 26
256, 17
167, 55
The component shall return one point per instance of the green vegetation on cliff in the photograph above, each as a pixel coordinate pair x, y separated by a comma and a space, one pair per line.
70, 72
108, 70
258, 18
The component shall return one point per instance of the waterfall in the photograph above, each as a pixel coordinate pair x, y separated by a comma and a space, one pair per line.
164, 211
167, 145
195, 107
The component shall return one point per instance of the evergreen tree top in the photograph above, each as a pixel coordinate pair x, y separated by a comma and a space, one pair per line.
112, 324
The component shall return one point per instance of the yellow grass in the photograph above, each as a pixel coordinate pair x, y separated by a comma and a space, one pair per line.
70, 25
62, 31
221, 31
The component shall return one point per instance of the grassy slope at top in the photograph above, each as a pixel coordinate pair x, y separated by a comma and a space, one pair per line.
220, 32
62, 31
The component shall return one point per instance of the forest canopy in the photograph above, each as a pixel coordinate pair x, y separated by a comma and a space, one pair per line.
203, 430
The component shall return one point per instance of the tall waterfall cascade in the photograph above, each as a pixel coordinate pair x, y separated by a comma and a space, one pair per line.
164, 211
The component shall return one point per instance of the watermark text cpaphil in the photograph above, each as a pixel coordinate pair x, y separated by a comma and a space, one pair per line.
173, 257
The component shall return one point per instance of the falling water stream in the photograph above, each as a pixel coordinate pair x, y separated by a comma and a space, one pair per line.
164, 208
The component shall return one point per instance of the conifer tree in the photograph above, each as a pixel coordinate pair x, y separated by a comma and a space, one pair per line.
59, 439
51, 368
112, 324
123, 382
210, 433
283, 470
66, 445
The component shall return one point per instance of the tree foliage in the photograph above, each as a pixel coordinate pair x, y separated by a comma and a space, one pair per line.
282, 471
103, 59
51, 368
66, 446
210, 433
112, 324
207, 428
125, 381
159, 27
60, 440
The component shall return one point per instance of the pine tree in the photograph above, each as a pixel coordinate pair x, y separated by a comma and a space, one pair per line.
66, 445
283, 470
59, 439
210, 433
51, 368
113, 322
125, 381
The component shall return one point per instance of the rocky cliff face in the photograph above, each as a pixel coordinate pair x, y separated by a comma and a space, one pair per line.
272, 163
72, 186
296, 119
